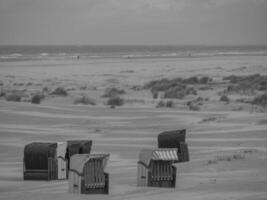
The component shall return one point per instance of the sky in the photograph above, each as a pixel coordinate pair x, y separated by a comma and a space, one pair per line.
123, 22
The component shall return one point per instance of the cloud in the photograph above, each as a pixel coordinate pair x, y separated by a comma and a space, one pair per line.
133, 21
102, 6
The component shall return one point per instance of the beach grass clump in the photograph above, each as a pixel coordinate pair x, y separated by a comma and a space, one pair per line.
155, 95
248, 83
85, 100
260, 100
242, 100
232, 157
249, 78
203, 88
176, 88
177, 92
227, 158
191, 91
262, 122
208, 119
191, 80
113, 92
242, 88
193, 106
205, 80
225, 98
197, 80
14, 96
46, 89
127, 71
115, 101
160, 104
83, 87
137, 87
60, 91
211, 162
239, 108
163, 84
132, 101
2, 92
167, 104
37, 98
249, 151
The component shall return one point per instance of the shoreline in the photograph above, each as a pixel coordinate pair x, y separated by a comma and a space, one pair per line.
84, 58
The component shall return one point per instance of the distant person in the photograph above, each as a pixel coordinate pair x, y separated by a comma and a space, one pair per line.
78, 57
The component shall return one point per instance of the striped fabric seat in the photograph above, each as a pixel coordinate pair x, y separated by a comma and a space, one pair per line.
94, 174
161, 168
161, 171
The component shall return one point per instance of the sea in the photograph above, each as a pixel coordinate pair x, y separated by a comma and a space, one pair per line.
65, 52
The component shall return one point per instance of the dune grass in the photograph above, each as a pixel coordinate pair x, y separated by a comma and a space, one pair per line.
113, 92
176, 88
227, 158
225, 98
115, 101
85, 100
37, 98
167, 104
247, 84
260, 100
60, 91
16, 97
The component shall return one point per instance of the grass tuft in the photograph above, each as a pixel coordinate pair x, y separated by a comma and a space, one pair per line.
60, 91
115, 101
113, 92
85, 100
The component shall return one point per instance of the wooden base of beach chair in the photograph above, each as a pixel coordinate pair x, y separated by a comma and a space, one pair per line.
163, 183
35, 176
96, 189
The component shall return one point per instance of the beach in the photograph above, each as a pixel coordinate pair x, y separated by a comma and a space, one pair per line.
227, 139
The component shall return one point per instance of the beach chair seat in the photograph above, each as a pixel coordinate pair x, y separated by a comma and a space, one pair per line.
155, 167
87, 172
94, 174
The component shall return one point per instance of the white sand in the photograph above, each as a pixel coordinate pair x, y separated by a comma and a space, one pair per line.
124, 131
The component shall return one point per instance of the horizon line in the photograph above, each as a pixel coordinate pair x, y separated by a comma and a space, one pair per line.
174, 45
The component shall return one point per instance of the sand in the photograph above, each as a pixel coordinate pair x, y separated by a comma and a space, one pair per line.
228, 149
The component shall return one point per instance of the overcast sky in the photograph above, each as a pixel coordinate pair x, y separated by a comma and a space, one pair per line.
209, 22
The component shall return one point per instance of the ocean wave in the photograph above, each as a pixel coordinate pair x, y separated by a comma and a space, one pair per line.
13, 55
237, 53
125, 52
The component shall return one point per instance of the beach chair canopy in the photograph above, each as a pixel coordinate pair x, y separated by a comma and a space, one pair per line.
147, 155
36, 155
171, 139
79, 147
78, 161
